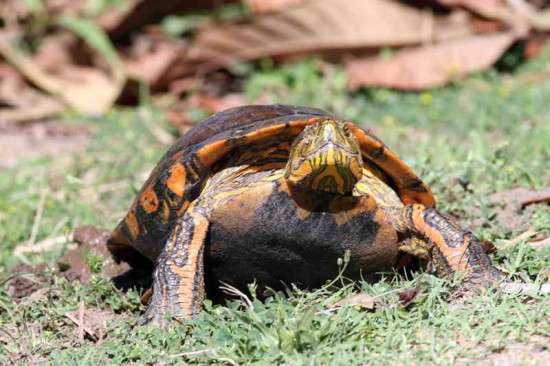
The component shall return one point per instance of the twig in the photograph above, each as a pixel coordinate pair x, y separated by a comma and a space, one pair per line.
43, 246
38, 217
81, 322
192, 353
526, 235
90, 332
156, 131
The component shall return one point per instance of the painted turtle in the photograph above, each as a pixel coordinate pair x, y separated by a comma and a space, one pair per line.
277, 194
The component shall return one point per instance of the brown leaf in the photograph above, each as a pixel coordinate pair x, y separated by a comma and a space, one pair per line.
516, 14
84, 89
523, 196
362, 300
330, 25
540, 243
22, 102
145, 11
407, 297
429, 66
151, 59
270, 6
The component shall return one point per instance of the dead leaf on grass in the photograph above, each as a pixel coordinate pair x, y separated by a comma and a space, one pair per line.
270, 6
150, 60
84, 89
517, 14
540, 243
312, 27
523, 196
407, 297
362, 300
144, 11
431, 65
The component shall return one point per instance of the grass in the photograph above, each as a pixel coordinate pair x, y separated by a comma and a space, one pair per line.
478, 136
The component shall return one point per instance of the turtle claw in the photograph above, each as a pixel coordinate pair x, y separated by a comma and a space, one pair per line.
484, 281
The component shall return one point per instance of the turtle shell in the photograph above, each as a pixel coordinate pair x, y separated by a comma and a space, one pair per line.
180, 175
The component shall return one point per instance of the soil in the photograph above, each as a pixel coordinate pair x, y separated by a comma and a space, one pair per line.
25, 141
93, 240
30, 280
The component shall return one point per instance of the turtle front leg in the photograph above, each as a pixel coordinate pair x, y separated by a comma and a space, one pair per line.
178, 279
451, 249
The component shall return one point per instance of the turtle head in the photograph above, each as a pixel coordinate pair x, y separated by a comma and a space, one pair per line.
325, 157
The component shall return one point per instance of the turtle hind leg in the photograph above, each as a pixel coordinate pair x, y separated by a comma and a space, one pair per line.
451, 249
178, 279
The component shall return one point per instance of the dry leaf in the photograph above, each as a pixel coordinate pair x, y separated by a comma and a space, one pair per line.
429, 66
150, 61
270, 6
145, 11
85, 89
523, 196
407, 297
516, 14
314, 26
362, 300
540, 243
22, 102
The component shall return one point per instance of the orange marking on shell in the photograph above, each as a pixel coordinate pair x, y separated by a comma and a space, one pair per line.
390, 164
213, 152
179, 155
177, 179
149, 200
132, 224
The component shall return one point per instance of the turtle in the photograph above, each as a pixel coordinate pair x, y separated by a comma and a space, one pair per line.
275, 195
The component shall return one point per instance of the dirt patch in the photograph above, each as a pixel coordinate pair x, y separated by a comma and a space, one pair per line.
95, 325
29, 279
92, 242
76, 264
41, 139
515, 353
513, 208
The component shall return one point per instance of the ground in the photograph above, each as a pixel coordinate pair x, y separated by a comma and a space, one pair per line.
470, 142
